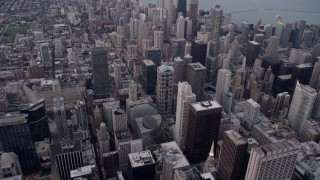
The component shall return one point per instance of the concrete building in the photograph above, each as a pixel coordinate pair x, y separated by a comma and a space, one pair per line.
141, 166
165, 89
184, 99
223, 82
272, 48
9, 165
301, 106
273, 161
216, 23
119, 119
60, 119
103, 140
251, 113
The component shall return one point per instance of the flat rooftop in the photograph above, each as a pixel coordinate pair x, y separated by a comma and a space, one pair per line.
205, 105
141, 158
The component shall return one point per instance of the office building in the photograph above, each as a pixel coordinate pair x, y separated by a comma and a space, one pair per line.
212, 61
196, 78
272, 48
81, 116
154, 54
149, 76
301, 73
186, 173
119, 119
315, 77
284, 41
171, 15
164, 89
141, 166
273, 161
15, 136
134, 28
301, 106
117, 75
37, 120
252, 52
9, 165
216, 23
100, 72
199, 51
45, 54
203, 129
181, 27
133, 91
179, 70
223, 83
251, 113
158, 39
316, 108
234, 147
193, 14
103, 140
298, 33
182, 7
60, 118
184, 99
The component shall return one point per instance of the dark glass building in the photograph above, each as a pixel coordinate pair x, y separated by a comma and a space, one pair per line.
252, 52
149, 78
199, 51
37, 120
182, 7
154, 54
234, 148
301, 73
99, 58
141, 166
15, 136
203, 129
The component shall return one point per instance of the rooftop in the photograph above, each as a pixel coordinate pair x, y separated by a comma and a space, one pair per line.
205, 105
164, 68
141, 158
85, 170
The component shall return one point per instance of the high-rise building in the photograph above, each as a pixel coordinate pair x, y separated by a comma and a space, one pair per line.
223, 82
203, 129
164, 89
184, 99
212, 61
196, 78
81, 115
60, 118
301, 106
161, 3
154, 54
15, 136
251, 113
234, 148
199, 51
315, 77
37, 120
158, 39
316, 108
298, 34
119, 120
117, 75
10, 166
272, 49
149, 78
278, 30
134, 28
193, 13
182, 7
133, 91
171, 15
141, 166
103, 140
179, 71
185, 173
181, 27
100, 72
286, 34
272, 161
252, 52
45, 54
216, 23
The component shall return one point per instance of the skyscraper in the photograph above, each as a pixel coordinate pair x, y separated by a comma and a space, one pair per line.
193, 10
119, 120
233, 151
103, 140
149, 78
141, 166
164, 89
301, 106
251, 113
158, 39
81, 115
100, 72
216, 23
184, 99
315, 77
134, 28
272, 49
196, 78
252, 52
117, 75
272, 161
45, 54
181, 27
223, 82
203, 129
60, 118
182, 7
133, 91
286, 34
154, 53
212, 61
171, 15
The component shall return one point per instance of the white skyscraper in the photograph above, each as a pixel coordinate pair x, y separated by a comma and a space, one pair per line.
158, 39
117, 74
251, 113
134, 28
119, 120
181, 27
133, 89
272, 49
301, 106
223, 82
272, 161
185, 97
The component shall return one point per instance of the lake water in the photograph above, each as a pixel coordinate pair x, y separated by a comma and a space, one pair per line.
251, 10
